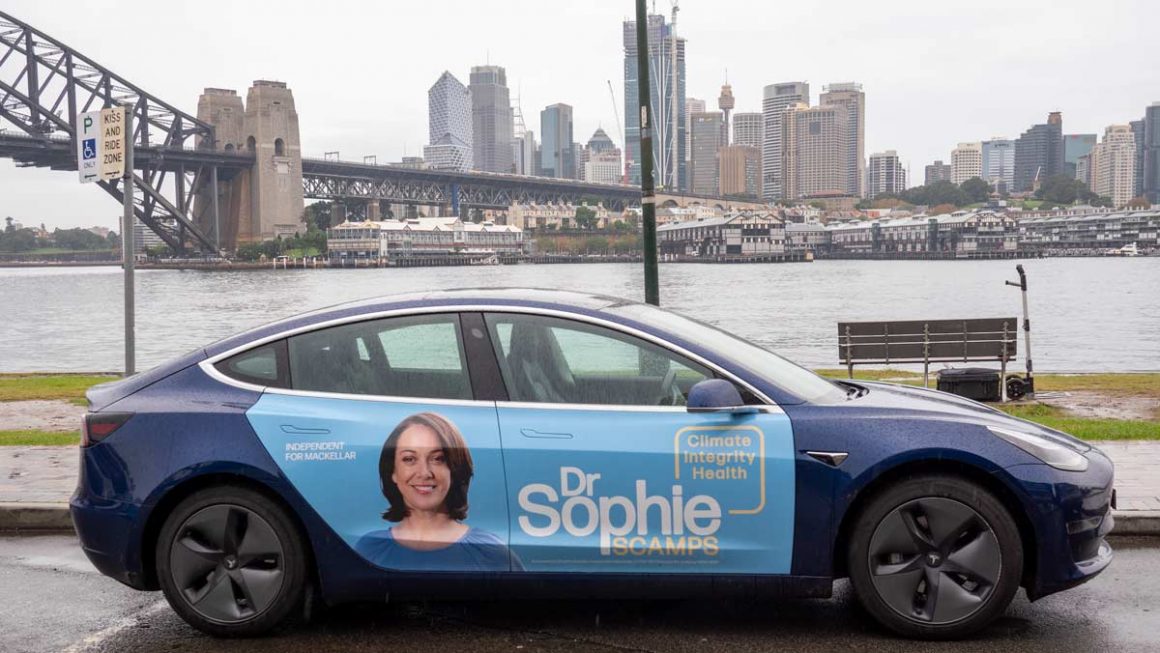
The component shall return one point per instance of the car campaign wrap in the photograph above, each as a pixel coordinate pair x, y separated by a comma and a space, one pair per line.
649, 491
409, 486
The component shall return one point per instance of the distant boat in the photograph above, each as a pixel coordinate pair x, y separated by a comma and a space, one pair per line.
1126, 250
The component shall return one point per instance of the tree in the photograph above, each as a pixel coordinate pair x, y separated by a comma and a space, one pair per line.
1139, 203
585, 218
8, 224
976, 190
77, 239
942, 209
17, 240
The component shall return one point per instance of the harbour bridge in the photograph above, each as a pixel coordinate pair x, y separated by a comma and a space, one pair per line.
232, 173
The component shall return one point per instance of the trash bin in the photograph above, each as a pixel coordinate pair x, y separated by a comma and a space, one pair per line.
978, 383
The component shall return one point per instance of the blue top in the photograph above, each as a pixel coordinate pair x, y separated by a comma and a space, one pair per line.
477, 550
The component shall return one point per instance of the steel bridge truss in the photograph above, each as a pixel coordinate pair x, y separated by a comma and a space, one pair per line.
44, 84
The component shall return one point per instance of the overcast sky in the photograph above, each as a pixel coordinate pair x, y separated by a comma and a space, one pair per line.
934, 73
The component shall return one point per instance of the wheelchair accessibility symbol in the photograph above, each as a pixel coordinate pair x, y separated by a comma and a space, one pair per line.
89, 148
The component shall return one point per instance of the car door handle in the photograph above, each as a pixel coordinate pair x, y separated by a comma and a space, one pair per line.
297, 430
532, 433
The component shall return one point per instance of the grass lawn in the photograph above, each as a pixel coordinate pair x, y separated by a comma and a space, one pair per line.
38, 438
1085, 428
70, 387
871, 374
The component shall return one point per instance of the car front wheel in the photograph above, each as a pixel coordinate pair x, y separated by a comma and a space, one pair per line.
935, 557
231, 563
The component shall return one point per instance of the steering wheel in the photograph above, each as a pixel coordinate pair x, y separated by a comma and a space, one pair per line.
670, 394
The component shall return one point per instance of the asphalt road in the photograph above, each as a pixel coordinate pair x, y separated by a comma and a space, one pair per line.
52, 600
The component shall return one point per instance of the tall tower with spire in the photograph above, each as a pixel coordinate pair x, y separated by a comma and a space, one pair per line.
726, 103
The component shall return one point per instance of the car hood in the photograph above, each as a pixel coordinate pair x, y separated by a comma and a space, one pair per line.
938, 404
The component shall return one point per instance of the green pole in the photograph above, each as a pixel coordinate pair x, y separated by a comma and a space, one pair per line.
648, 198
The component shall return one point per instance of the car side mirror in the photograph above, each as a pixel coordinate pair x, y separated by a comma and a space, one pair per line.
716, 396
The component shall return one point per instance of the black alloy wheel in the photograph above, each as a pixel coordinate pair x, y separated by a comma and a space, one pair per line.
231, 562
935, 557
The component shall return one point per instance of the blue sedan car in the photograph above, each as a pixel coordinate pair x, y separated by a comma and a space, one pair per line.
547, 443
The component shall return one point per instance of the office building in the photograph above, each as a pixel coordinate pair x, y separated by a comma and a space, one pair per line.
850, 96
1138, 134
1151, 185
557, 155
1113, 165
813, 146
748, 129
966, 162
739, 171
885, 175
692, 105
776, 100
668, 148
708, 131
491, 119
937, 171
1039, 153
998, 163
600, 163
449, 125
1075, 146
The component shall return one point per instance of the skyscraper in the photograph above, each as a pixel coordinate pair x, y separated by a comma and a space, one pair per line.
885, 174
661, 55
558, 159
1075, 146
813, 146
1113, 165
708, 132
937, 171
777, 98
850, 95
1138, 133
748, 129
491, 119
725, 103
602, 163
692, 105
1039, 153
449, 125
998, 163
523, 144
966, 162
739, 171
1151, 185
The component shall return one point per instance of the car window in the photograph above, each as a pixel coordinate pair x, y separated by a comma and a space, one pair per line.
417, 356
265, 365
552, 360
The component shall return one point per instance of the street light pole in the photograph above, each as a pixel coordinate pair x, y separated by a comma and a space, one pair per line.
647, 190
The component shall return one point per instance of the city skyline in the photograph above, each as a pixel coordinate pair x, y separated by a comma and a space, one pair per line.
999, 93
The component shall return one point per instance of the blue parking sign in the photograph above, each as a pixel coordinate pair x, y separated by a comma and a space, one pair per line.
89, 149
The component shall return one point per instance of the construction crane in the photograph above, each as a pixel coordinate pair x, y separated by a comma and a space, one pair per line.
619, 128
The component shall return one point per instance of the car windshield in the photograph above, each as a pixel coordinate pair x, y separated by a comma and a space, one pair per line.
740, 352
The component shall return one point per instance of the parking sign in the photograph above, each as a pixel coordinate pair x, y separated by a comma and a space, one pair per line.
101, 144
88, 146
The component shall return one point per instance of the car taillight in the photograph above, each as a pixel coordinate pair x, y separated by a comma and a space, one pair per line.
98, 426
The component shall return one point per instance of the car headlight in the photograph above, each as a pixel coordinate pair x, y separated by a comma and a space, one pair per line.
1052, 453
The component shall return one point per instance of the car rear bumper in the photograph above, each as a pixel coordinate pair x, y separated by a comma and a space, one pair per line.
108, 532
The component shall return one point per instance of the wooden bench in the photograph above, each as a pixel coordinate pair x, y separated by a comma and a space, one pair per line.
929, 341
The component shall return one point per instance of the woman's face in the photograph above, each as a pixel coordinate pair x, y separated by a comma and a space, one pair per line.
421, 471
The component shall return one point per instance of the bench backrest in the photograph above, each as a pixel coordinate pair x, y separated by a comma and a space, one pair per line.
919, 341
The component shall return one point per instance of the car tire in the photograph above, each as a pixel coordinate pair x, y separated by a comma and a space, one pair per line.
232, 563
935, 557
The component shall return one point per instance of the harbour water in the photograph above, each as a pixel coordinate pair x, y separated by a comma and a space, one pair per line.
1087, 314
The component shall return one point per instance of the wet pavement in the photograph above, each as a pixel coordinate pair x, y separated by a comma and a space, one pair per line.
52, 600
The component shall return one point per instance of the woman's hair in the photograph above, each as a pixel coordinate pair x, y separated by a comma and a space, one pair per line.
455, 454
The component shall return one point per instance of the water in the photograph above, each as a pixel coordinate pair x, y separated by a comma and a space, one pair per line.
1087, 314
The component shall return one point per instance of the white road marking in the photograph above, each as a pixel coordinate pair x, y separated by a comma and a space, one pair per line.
117, 626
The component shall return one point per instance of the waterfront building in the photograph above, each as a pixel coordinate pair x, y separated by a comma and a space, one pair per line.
966, 162
998, 163
558, 156
777, 99
725, 103
661, 46
748, 129
707, 130
1151, 185
1112, 165
535, 217
961, 232
885, 175
449, 124
1138, 134
1039, 153
738, 234
1075, 146
1089, 230
813, 147
739, 171
937, 171
807, 237
850, 96
444, 236
491, 119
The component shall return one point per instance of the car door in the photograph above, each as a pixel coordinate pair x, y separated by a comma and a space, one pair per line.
608, 472
381, 433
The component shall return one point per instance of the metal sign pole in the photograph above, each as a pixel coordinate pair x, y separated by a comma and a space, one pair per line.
128, 238
647, 193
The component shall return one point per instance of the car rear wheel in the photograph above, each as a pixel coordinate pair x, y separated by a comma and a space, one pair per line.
935, 557
231, 562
